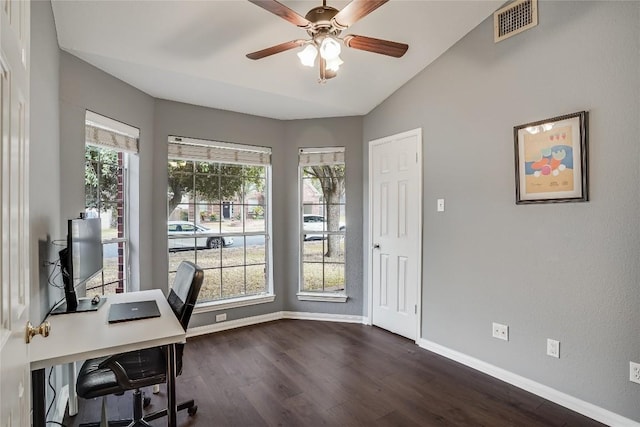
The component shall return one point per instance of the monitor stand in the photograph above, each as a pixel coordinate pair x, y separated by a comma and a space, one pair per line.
84, 304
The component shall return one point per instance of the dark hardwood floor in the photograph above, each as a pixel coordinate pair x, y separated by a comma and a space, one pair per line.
309, 373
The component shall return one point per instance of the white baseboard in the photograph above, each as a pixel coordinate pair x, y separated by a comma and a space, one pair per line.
345, 318
580, 406
232, 324
585, 408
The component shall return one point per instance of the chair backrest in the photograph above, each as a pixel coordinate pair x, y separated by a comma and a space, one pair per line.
184, 292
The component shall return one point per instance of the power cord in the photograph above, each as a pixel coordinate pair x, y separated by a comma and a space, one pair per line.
52, 401
57, 303
51, 281
51, 278
54, 394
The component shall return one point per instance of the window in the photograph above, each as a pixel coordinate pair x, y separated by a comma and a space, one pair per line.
107, 151
218, 217
322, 224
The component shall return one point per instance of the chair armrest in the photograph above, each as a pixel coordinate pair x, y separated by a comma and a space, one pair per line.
138, 368
114, 365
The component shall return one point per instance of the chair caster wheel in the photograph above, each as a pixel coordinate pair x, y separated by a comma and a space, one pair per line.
146, 401
192, 410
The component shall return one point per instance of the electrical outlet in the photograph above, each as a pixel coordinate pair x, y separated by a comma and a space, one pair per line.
634, 372
221, 317
553, 348
500, 331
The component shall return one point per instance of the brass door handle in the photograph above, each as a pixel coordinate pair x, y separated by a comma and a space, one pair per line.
31, 332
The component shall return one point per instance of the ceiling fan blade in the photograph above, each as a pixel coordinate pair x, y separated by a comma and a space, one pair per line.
325, 73
283, 12
355, 11
275, 49
384, 47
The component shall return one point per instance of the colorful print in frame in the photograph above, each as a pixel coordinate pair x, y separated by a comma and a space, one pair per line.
551, 160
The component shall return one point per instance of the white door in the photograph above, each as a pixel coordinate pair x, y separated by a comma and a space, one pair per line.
395, 165
15, 375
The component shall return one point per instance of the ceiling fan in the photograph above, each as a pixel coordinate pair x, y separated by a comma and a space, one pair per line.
324, 25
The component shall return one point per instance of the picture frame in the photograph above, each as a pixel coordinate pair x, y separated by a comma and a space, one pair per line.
551, 160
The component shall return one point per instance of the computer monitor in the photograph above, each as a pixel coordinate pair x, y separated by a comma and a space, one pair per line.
80, 261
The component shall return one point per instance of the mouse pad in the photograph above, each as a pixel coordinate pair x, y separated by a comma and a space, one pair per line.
125, 311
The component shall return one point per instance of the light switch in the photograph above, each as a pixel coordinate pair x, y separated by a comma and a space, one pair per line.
440, 205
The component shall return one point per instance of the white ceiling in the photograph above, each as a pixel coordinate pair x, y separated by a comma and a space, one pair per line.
194, 51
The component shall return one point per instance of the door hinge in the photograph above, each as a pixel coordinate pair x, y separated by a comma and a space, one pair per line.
415, 309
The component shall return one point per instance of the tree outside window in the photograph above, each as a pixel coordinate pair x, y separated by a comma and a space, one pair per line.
217, 218
105, 197
322, 223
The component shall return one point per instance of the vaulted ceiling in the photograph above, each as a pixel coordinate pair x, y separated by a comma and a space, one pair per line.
194, 51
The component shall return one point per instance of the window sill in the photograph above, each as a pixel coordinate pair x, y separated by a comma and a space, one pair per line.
322, 296
233, 303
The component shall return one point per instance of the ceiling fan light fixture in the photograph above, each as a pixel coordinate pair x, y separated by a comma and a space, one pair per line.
324, 25
329, 48
334, 64
308, 55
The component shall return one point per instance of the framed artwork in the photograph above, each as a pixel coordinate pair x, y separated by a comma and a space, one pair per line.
551, 160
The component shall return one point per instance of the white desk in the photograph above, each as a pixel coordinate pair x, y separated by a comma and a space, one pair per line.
81, 336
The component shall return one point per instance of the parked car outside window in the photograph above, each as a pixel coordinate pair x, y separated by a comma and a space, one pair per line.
190, 231
313, 222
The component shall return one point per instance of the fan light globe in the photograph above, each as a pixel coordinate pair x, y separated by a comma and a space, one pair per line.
329, 48
334, 64
308, 55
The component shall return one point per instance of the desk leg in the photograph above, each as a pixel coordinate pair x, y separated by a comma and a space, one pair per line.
73, 397
172, 412
38, 397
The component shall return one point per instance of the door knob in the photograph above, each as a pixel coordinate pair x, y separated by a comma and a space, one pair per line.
31, 332
376, 246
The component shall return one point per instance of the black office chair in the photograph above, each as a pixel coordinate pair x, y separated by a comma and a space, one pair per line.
141, 368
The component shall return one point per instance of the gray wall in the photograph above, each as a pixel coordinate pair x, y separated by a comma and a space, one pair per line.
334, 132
44, 153
563, 271
173, 118
84, 87
284, 138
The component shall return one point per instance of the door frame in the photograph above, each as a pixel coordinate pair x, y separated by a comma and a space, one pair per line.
413, 132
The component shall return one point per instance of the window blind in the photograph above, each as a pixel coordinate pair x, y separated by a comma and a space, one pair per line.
210, 151
107, 138
321, 156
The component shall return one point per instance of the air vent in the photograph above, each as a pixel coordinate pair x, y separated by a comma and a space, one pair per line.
514, 18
